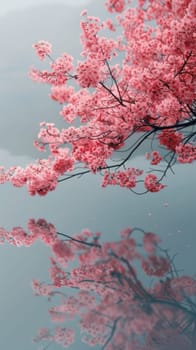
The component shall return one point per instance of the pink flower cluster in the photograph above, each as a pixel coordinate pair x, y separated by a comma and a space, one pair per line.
43, 49
64, 336
151, 183
41, 288
155, 157
126, 178
61, 93
88, 73
186, 153
115, 5
150, 242
170, 139
155, 266
59, 74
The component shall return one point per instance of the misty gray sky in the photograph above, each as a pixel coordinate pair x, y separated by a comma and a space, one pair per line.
76, 204
15, 5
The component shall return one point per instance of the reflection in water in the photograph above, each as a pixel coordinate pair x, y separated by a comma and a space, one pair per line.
127, 294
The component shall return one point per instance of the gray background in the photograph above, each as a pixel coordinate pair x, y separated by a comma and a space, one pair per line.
76, 204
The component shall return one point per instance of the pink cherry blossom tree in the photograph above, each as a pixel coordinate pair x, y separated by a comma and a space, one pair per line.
127, 91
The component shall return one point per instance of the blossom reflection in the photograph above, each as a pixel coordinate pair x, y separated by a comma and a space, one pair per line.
127, 294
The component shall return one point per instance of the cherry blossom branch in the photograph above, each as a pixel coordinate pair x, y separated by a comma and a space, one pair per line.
118, 165
79, 241
112, 332
115, 82
184, 64
111, 93
173, 304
